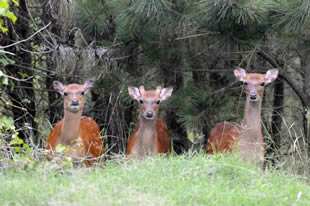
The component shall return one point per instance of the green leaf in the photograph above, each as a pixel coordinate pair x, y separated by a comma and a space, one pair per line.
3, 29
8, 121
16, 141
26, 100
4, 4
36, 119
23, 75
190, 135
2, 11
4, 61
11, 16
5, 81
16, 2
25, 146
60, 148
17, 149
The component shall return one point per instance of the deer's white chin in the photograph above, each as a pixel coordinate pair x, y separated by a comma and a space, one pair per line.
254, 100
149, 118
74, 109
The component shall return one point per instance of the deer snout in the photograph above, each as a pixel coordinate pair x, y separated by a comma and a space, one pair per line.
74, 105
253, 95
149, 114
75, 102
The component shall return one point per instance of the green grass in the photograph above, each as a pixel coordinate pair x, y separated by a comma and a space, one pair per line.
178, 180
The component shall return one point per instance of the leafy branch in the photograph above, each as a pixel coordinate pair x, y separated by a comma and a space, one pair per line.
5, 12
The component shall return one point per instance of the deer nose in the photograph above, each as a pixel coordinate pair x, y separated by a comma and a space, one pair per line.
253, 95
149, 114
75, 102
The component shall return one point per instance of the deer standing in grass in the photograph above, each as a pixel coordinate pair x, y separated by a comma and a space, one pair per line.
79, 134
246, 138
151, 136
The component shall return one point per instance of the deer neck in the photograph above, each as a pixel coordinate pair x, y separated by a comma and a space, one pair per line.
147, 136
251, 143
70, 130
252, 117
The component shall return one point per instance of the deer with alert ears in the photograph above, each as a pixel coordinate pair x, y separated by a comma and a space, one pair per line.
151, 136
246, 138
79, 134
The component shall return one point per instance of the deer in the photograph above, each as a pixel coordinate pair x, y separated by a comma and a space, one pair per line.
151, 136
79, 134
246, 138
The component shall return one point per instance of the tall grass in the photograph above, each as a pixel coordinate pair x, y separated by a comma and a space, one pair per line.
192, 179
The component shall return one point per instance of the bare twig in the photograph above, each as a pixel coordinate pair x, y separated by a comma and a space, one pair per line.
300, 93
16, 79
6, 52
37, 52
195, 35
24, 40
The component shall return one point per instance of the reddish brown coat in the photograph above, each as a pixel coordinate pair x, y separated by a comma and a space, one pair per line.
228, 138
162, 138
89, 133
247, 138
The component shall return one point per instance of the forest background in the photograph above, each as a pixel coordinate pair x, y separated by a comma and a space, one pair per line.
192, 46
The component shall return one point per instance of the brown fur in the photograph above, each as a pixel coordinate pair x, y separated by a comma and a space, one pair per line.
79, 134
223, 137
151, 136
162, 138
246, 137
91, 146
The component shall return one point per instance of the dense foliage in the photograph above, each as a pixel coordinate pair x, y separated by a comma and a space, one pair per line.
190, 45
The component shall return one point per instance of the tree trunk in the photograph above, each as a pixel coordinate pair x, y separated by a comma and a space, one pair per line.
305, 65
277, 114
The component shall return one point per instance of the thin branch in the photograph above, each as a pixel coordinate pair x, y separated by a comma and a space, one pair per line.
195, 35
37, 52
13, 105
6, 52
16, 79
24, 40
36, 89
304, 98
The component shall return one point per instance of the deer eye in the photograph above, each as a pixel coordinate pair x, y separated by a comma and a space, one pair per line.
141, 101
82, 93
65, 94
158, 102
245, 84
262, 84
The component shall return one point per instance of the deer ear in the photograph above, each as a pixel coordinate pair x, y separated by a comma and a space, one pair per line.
59, 87
240, 74
134, 92
158, 90
88, 85
141, 89
271, 75
165, 93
